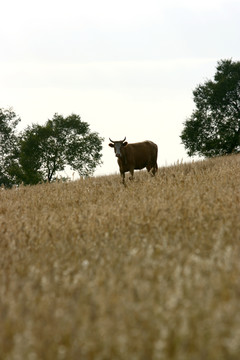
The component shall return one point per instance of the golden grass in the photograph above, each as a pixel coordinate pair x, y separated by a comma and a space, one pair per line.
94, 270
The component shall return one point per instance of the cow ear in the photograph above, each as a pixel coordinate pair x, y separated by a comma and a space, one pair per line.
111, 145
125, 143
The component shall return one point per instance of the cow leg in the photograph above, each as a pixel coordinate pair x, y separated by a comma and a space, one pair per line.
123, 178
131, 172
155, 169
148, 168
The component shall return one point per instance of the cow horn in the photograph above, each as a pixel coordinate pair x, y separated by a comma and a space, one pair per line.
115, 141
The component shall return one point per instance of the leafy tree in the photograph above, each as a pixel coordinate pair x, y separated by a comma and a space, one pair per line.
214, 126
44, 150
8, 146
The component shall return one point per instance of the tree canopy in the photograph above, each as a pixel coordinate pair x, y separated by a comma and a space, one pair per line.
214, 126
43, 150
8, 145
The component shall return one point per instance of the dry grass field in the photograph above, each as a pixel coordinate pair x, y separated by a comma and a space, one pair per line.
95, 270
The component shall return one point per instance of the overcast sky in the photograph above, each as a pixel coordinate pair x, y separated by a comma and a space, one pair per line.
127, 67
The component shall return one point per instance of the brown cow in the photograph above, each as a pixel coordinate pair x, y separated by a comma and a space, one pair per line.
135, 156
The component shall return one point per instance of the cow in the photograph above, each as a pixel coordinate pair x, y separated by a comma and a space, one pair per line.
135, 156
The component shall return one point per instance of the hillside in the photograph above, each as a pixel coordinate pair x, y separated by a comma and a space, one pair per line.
93, 270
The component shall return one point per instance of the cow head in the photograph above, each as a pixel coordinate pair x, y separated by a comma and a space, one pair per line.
118, 145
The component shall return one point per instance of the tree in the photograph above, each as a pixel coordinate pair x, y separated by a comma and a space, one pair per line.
47, 149
8, 146
214, 126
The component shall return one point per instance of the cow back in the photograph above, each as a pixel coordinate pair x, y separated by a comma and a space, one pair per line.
139, 155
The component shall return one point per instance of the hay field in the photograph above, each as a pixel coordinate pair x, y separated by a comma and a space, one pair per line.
94, 270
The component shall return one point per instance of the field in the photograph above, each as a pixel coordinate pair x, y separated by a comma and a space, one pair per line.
94, 270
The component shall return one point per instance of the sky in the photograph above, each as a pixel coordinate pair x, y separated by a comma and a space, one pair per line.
128, 67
